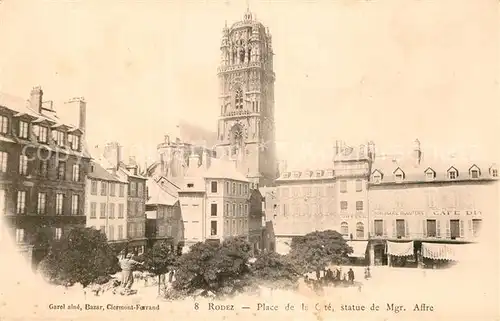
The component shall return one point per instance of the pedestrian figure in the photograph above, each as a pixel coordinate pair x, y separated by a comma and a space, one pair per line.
350, 274
128, 265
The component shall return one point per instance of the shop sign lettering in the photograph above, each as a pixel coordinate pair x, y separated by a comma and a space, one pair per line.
400, 213
444, 212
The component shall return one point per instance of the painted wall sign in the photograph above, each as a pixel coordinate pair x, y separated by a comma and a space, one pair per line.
400, 213
470, 213
435, 212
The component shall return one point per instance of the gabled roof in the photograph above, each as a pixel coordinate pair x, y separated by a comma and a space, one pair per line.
475, 167
157, 195
430, 169
100, 173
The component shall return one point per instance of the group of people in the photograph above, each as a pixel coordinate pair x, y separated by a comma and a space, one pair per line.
335, 277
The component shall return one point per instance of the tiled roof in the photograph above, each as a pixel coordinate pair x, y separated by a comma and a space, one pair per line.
99, 172
415, 172
158, 196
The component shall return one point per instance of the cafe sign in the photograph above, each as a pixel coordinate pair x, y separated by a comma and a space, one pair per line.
446, 213
434, 212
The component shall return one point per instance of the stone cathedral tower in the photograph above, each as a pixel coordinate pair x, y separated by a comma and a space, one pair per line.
245, 131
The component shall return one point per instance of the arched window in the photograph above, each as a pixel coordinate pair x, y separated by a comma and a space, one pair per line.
344, 228
360, 230
238, 99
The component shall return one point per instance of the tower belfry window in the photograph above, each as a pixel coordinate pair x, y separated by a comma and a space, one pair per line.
238, 99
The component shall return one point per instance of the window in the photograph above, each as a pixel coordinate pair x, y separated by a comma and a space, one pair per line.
234, 210
4, 125
240, 210
21, 202
344, 228
76, 173
140, 191
474, 173
494, 172
360, 230
23, 165
133, 186
429, 175
111, 232
400, 228
93, 187
120, 232
3, 161
233, 191
377, 178
246, 209
59, 203
226, 209
476, 227
23, 129
213, 227
239, 189
43, 133
343, 186
59, 137
111, 210
58, 233
93, 210
398, 177
452, 174
359, 205
245, 189
74, 141
454, 229
213, 186
122, 190
61, 170
44, 168
75, 204
104, 188
213, 209
431, 228
120, 210
359, 185
42, 200
378, 227
19, 235
343, 205
227, 187
112, 189
238, 99
2, 203
103, 210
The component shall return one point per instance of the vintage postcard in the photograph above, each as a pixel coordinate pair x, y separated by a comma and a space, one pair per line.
249, 159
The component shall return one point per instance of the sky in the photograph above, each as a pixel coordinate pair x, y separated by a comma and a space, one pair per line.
384, 70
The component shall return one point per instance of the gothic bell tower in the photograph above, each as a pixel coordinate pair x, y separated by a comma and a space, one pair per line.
245, 131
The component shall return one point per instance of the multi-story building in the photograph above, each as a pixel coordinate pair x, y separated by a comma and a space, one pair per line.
164, 219
136, 196
423, 207
215, 202
43, 165
106, 203
245, 130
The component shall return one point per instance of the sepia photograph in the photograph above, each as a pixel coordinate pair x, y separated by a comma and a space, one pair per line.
249, 159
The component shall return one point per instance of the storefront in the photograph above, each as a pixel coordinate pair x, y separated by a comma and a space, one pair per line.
440, 255
401, 254
358, 255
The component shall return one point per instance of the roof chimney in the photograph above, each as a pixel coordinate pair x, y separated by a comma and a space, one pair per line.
417, 153
75, 113
36, 97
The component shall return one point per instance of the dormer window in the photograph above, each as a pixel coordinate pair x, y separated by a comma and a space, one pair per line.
474, 172
23, 129
376, 177
4, 124
58, 137
329, 172
296, 174
319, 173
493, 171
190, 185
430, 174
74, 141
399, 175
286, 175
43, 133
452, 173
308, 173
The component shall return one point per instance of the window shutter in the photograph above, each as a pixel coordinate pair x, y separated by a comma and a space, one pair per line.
424, 228
471, 233
407, 229
372, 228
438, 228
461, 228
384, 226
447, 228
393, 228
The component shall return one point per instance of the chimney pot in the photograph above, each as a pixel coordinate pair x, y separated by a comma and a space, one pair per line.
36, 97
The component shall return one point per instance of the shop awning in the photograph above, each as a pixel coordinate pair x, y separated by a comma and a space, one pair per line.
358, 248
451, 252
400, 249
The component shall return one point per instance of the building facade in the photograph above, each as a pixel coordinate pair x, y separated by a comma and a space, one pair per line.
106, 203
43, 165
245, 130
164, 219
419, 205
215, 202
